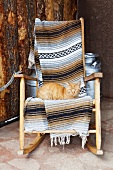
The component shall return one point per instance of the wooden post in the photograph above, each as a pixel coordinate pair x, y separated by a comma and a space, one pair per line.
83, 44
98, 114
22, 100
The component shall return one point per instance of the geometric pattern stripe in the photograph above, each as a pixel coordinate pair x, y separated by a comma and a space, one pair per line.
59, 49
73, 114
58, 114
58, 56
62, 113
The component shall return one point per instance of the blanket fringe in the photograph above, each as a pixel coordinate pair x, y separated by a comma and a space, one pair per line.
63, 139
84, 139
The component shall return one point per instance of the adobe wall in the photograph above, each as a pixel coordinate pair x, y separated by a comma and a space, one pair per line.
98, 17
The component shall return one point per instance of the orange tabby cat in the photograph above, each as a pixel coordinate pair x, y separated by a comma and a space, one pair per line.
54, 91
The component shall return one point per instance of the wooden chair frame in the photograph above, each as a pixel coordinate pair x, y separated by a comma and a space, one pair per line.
40, 135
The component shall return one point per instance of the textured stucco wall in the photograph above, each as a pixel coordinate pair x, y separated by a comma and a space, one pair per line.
98, 17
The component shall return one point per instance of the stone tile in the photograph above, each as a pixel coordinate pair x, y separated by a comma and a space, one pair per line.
9, 131
39, 152
5, 155
63, 161
107, 142
98, 162
54, 149
5, 135
25, 164
47, 167
4, 166
11, 145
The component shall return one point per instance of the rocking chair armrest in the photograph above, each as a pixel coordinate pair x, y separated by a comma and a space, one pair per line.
24, 76
93, 76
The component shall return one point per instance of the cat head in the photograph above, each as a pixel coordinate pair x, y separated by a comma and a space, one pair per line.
73, 89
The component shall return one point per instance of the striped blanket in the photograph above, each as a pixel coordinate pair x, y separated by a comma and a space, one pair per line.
58, 57
59, 48
73, 114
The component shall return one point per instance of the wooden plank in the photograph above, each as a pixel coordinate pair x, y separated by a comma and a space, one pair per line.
22, 100
59, 131
98, 114
93, 76
83, 44
25, 76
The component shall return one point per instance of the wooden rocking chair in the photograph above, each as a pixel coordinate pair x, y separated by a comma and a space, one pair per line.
96, 102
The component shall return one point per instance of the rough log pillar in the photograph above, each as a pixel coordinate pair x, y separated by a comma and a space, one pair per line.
9, 59
16, 27
23, 42
56, 9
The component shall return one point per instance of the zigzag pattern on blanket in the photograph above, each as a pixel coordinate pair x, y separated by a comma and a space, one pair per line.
59, 49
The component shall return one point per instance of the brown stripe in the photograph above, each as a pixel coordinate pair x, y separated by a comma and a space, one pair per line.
77, 120
65, 68
67, 106
54, 40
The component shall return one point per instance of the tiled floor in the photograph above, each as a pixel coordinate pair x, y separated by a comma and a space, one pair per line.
45, 157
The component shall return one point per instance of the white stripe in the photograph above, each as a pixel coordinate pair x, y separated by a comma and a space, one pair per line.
56, 47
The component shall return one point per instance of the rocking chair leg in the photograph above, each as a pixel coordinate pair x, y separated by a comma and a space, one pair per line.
22, 99
94, 149
98, 116
38, 139
32, 145
97, 150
